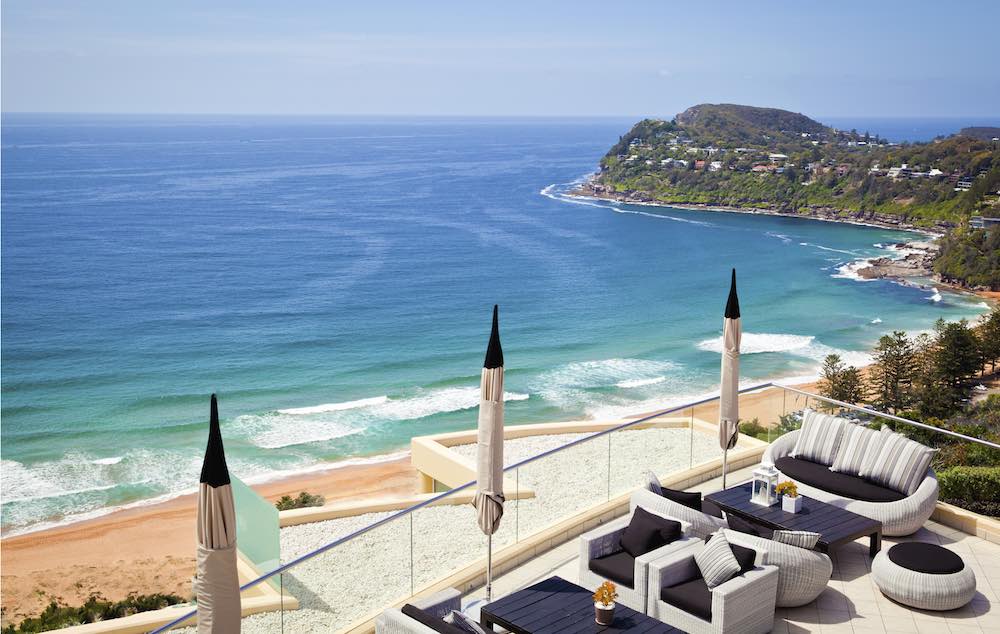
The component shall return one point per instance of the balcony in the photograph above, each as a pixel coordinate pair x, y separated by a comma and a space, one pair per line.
343, 565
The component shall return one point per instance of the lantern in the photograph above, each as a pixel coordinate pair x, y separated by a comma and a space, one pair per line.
762, 491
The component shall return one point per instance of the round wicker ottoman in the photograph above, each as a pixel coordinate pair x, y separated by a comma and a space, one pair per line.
924, 576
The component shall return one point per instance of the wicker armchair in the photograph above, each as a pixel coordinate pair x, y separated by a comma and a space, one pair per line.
604, 540
903, 517
802, 574
742, 605
393, 621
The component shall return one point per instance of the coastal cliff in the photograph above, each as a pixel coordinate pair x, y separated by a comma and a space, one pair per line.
765, 160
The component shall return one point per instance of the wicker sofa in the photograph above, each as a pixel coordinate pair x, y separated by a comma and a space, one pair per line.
393, 621
899, 514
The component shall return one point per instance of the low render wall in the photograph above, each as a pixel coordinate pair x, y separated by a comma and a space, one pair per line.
431, 457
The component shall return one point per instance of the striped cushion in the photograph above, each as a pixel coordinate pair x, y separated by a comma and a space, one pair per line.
869, 461
716, 561
902, 464
819, 438
802, 539
653, 483
852, 449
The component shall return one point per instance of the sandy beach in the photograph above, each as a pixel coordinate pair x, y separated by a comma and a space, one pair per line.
151, 549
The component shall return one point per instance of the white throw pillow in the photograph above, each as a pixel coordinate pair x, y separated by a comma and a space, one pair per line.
716, 561
902, 464
819, 437
802, 539
869, 461
853, 449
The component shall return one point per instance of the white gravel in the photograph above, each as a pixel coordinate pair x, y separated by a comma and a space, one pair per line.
375, 569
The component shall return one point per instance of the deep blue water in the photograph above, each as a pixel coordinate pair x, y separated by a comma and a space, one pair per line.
912, 129
332, 280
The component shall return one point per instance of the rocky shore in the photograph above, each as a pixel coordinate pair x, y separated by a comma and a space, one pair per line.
917, 261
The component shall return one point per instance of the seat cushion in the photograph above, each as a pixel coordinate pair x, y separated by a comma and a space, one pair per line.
618, 567
927, 558
689, 499
646, 532
694, 597
844, 484
431, 621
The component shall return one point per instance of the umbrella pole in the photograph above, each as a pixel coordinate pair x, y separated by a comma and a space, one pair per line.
725, 463
489, 568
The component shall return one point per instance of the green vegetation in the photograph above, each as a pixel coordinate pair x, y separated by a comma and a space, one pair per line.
304, 499
96, 608
974, 488
840, 382
808, 166
971, 258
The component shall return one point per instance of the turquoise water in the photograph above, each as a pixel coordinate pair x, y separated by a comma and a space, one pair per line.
332, 281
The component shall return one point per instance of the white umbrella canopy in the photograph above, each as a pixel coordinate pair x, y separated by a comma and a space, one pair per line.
729, 400
216, 585
489, 453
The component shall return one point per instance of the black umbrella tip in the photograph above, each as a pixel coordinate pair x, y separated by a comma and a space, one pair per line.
214, 471
494, 353
733, 304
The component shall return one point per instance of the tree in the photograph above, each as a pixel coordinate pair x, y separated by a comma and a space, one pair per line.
840, 382
989, 339
891, 373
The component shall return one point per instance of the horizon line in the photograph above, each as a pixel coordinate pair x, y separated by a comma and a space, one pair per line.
451, 115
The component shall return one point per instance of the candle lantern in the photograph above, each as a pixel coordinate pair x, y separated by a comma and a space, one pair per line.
765, 480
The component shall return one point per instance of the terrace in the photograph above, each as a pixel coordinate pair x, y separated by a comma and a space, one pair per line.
342, 566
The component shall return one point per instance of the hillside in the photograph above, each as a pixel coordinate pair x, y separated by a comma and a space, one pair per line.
983, 133
743, 156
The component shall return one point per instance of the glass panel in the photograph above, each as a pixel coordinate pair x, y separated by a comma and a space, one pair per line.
257, 531
561, 485
447, 537
350, 581
665, 445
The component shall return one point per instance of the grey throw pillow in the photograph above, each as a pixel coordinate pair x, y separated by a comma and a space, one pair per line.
716, 561
653, 483
463, 622
802, 539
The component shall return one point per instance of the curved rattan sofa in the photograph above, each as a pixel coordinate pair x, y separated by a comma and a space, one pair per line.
899, 517
803, 574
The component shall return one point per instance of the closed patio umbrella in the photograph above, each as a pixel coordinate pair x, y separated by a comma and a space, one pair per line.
489, 454
217, 585
729, 400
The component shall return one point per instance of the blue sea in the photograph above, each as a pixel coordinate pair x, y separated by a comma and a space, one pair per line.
333, 279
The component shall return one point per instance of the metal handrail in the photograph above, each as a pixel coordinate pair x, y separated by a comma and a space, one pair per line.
898, 419
411, 509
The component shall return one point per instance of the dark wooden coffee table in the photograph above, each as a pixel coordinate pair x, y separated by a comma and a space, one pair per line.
835, 525
556, 605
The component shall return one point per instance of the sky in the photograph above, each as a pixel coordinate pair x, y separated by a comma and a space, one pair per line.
511, 58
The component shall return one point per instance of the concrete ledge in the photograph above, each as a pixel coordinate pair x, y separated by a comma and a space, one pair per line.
960, 519
360, 507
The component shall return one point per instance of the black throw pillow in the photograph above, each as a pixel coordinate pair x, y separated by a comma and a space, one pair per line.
431, 621
647, 532
691, 500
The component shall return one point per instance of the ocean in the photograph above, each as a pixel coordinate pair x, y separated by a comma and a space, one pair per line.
333, 279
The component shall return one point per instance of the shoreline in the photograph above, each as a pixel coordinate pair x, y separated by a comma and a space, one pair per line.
585, 192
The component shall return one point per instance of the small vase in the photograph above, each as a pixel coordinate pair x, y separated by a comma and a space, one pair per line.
791, 504
604, 615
